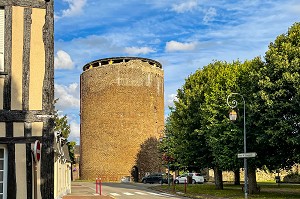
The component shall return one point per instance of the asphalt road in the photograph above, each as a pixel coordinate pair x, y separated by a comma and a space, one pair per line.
132, 190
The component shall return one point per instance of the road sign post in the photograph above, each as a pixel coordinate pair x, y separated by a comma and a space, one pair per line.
37, 151
36, 158
247, 155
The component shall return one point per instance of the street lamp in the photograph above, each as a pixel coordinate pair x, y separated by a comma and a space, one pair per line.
233, 117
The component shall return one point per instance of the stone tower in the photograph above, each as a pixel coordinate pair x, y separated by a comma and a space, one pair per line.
122, 105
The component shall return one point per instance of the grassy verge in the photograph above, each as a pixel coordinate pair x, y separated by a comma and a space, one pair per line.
208, 191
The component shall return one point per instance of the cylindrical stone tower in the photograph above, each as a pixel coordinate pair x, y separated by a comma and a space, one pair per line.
122, 105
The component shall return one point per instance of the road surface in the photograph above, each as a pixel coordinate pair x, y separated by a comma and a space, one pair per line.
131, 191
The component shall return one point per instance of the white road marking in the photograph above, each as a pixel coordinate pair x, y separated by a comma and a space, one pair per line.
115, 194
166, 194
140, 193
156, 194
128, 194
161, 194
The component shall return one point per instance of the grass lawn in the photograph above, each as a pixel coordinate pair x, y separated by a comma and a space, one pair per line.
208, 191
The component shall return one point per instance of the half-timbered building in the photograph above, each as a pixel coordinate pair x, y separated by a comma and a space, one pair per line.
26, 98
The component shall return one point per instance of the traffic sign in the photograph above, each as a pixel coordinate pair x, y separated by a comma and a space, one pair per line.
37, 151
247, 155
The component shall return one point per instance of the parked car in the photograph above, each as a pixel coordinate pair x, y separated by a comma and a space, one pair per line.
196, 178
153, 178
125, 179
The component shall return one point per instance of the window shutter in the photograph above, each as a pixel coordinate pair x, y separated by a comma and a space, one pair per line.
1, 39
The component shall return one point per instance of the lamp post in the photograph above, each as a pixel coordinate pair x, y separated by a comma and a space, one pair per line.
233, 117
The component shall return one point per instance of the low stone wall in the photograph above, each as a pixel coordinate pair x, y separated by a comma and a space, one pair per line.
261, 175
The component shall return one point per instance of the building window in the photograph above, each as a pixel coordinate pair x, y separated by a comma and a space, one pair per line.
3, 171
2, 17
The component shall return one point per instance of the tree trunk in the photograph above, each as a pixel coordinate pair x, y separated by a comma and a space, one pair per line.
252, 181
237, 177
218, 178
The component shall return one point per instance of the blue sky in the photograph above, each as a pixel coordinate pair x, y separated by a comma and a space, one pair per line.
183, 35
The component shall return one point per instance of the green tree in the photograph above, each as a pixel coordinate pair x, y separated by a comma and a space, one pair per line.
280, 94
182, 125
273, 112
271, 91
199, 127
199, 122
248, 85
221, 137
62, 125
71, 147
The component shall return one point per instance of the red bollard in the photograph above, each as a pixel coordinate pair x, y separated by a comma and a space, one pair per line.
100, 188
185, 186
96, 185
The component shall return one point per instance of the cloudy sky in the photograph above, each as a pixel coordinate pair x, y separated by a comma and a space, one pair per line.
183, 35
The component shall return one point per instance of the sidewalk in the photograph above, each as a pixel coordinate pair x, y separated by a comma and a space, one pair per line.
81, 191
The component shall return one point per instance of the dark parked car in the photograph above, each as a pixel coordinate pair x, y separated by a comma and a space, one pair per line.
157, 178
153, 178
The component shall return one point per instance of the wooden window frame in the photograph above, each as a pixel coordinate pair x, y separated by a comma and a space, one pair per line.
2, 32
4, 194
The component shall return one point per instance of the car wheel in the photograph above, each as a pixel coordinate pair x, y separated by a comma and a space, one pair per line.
176, 181
144, 181
160, 182
193, 181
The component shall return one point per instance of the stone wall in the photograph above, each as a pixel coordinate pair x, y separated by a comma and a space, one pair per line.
122, 105
261, 175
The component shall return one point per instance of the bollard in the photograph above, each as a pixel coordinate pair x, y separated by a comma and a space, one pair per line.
185, 186
100, 186
96, 185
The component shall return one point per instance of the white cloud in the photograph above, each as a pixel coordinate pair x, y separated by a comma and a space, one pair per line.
62, 60
178, 46
136, 50
75, 8
209, 15
186, 6
234, 30
68, 96
170, 100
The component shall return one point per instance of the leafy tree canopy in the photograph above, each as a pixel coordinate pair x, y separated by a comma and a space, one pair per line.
62, 125
198, 125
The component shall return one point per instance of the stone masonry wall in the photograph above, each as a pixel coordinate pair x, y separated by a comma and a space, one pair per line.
261, 175
122, 105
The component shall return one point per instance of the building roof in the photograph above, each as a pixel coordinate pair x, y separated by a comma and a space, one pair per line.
113, 60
